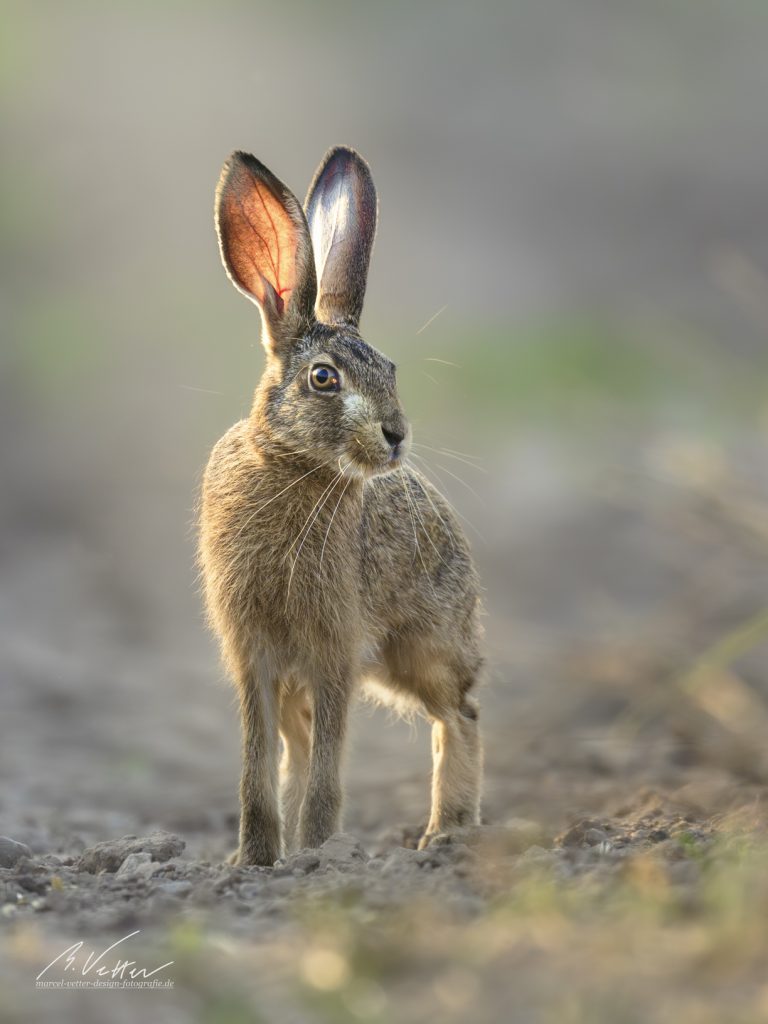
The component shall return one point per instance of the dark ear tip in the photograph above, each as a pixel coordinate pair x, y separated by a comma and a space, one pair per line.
242, 159
234, 162
346, 156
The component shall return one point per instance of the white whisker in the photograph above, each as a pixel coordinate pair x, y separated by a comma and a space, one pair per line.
330, 524
455, 451
462, 482
324, 498
415, 535
204, 391
274, 497
413, 521
435, 509
311, 511
445, 362
452, 455
433, 317
287, 455
456, 512
426, 531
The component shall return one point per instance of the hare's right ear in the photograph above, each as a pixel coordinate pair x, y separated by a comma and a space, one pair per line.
265, 247
341, 211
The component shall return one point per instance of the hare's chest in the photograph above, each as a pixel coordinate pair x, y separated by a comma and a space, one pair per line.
304, 574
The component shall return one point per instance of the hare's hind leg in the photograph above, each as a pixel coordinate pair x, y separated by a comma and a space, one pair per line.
295, 723
457, 766
259, 816
441, 679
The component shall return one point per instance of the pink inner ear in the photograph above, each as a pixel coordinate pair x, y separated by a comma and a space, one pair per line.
259, 238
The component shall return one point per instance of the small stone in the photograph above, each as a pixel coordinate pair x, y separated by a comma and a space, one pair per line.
305, 861
11, 852
136, 865
108, 856
342, 849
576, 835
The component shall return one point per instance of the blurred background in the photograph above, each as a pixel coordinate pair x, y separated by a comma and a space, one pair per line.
570, 272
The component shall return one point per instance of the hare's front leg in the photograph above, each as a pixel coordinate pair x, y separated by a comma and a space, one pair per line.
457, 765
259, 816
321, 809
295, 723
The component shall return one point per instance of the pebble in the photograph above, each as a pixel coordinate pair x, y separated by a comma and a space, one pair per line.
136, 865
342, 849
342, 852
11, 852
108, 856
576, 835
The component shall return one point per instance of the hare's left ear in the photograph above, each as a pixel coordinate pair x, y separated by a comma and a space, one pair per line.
341, 212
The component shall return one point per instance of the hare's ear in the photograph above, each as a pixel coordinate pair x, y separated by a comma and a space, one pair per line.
341, 212
265, 247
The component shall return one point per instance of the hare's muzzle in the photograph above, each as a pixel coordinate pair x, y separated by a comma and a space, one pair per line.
394, 430
394, 436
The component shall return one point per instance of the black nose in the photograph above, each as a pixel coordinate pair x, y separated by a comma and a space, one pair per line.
394, 437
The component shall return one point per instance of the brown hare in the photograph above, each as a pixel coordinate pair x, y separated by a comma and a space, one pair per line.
327, 560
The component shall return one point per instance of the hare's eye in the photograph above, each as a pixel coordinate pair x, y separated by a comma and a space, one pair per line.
324, 378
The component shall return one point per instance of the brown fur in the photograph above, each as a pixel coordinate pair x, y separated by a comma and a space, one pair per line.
327, 560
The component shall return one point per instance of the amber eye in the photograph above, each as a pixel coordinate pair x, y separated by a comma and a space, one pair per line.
324, 378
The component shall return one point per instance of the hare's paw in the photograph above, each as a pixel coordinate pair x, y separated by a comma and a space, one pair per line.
259, 853
253, 859
426, 839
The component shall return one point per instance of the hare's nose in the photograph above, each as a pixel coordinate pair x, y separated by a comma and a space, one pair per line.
393, 436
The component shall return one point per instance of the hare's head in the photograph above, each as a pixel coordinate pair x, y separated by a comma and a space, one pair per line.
325, 392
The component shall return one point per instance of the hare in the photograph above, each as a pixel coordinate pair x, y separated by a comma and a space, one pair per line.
327, 560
